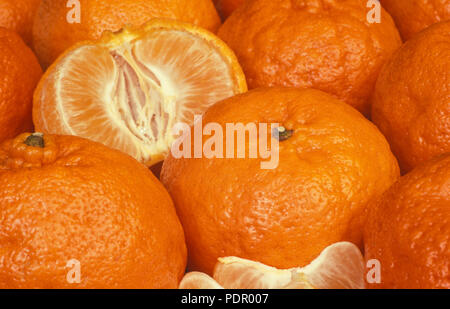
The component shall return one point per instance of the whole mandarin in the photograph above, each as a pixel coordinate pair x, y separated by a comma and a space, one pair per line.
412, 16
331, 163
411, 101
328, 45
56, 27
67, 202
19, 74
408, 229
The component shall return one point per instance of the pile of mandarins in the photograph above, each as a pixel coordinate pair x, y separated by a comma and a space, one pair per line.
358, 96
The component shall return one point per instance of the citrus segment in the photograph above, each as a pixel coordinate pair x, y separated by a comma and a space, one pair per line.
198, 280
130, 88
339, 266
236, 273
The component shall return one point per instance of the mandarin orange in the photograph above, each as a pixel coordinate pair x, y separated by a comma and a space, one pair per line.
19, 74
411, 102
57, 28
412, 16
408, 229
18, 15
71, 205
331, 162
329, 45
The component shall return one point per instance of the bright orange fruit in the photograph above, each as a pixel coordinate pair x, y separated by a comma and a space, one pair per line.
226, 7
18, 15
326, 45
56, 27
412, 16
408, 229
129, 89
19, 75
64, 198
332, 162
411, 102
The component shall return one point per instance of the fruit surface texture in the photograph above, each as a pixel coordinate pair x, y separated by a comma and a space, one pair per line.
19, 75
411, 102
18, 15
333, 163
67, 202
58, 27
327, 45
408, 230
412, 16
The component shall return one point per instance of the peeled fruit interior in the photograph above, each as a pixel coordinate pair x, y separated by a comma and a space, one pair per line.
128, 93
339, 266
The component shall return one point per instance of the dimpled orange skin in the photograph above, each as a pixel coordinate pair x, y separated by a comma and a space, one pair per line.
331, 166
19, 74
323, 44
408, 230
227, 7
411, 101
77, 199
18, 15
52, 34
412, 16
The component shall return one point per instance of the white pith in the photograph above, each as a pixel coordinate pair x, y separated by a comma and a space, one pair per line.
339, 265
159, 94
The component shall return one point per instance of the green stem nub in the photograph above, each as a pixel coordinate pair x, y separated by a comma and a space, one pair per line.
35, 140
282, 134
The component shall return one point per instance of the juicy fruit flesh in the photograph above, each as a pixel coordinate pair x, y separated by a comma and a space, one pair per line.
339, 266
246, 274
131, 95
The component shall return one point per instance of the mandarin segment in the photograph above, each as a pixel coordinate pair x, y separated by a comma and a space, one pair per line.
339, 266
75, 199
198, 280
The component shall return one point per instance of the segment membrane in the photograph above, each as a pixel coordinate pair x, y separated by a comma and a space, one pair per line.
131, 96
